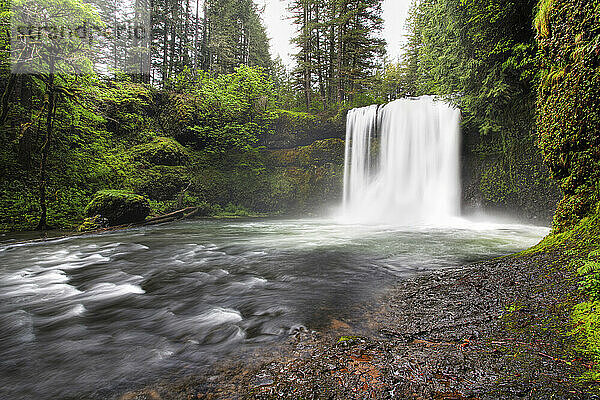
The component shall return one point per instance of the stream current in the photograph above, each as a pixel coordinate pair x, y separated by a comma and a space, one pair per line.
91, 315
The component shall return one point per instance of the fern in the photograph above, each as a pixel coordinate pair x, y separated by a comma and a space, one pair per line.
589, 267
594, 255
590, 284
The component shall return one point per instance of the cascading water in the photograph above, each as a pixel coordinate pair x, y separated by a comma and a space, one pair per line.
402, 162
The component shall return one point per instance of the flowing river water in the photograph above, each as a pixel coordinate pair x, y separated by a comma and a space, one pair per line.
84, 316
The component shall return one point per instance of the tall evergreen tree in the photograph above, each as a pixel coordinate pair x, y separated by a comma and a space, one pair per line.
339, 48
214, 35
233, 35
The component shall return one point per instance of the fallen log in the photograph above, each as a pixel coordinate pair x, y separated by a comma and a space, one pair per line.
178, 215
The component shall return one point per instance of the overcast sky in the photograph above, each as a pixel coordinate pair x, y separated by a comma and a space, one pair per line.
280, 29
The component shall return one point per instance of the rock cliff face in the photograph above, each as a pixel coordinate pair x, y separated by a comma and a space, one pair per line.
293, 129
516, 184
306, 179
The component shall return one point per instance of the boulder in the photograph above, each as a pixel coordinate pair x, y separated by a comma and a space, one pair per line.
118, 207
161, 151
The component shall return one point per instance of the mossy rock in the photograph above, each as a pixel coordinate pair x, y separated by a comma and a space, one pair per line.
568, 111
161, 151
93, 223
118, 207
323, 152
320, 152
294, 129
349, 341
161, 182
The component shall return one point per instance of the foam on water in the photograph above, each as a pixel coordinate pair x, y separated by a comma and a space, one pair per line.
219, 315
106, 290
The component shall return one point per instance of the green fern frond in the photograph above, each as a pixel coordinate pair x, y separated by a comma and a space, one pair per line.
589, 267
594, 255
542, 18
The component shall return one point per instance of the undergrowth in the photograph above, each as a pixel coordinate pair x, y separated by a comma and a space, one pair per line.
581, 247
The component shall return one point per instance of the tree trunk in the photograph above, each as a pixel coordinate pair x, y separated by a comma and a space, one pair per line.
319, 54
205, 54
175, 22
196, 29
340, 54
331, 90
186, 35
43, 223
6, 96
165, 50
307, 58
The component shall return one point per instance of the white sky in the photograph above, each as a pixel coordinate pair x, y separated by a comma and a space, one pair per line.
280, 29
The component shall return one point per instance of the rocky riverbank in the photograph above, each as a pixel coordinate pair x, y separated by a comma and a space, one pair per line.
492, 330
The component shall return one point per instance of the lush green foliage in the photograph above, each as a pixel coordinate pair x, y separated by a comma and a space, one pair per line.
161, 151
581, 245
223, 113
193, 144
568, 106
479, 54
586, 315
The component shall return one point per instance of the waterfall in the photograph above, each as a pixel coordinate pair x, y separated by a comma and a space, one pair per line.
402, 162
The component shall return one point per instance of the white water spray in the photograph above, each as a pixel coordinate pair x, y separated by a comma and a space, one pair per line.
402, 162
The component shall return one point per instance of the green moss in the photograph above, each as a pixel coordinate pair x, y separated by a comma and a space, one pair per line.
542, 18
580, 240
161, 151
568, 107
581, 248
496, 184
119, 207
161, 182
586, 329
320, 152
348, 340
92, 224
293, 129
295, 117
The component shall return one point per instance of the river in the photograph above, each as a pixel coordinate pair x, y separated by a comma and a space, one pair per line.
88, 315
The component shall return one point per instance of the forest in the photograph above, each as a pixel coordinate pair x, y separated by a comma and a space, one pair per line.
211, 94
199, 115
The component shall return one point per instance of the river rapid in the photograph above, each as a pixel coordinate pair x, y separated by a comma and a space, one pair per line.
92, 315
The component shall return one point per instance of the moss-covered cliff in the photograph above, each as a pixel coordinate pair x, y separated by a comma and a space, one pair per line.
202, 140
292, 129
568, 103
512, 182
569, 135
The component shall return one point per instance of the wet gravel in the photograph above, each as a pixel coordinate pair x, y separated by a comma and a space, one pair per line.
492, 330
